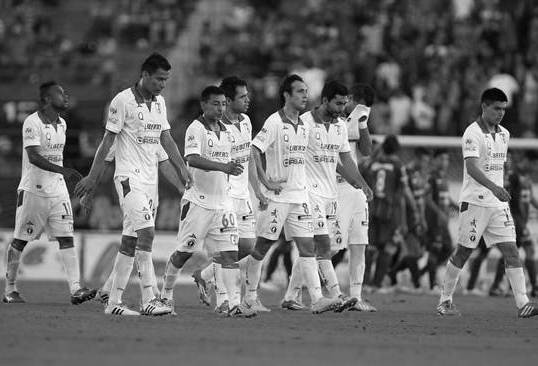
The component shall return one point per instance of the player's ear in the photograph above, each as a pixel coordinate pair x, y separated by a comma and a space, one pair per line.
324, 100
228, 101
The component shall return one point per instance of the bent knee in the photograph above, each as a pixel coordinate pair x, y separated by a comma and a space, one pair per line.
145, 239
128, 245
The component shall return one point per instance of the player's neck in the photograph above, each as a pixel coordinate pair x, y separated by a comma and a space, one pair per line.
212, 123
232, 116
326, 117
50, 115
291, 113
491, 127
143, 91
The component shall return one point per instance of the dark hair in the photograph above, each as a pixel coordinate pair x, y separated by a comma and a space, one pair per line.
44, 89
154, 62
390, 145
332, 89
229, 86
421, 151
439, 152
493, 95
285, 86
209, 91
363, 92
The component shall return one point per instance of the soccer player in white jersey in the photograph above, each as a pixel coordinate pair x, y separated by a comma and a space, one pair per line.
284, 140
207, 213
43, 202
138, 123
238, 124
484, 210
328, 142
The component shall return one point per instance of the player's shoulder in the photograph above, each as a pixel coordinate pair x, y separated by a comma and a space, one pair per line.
125, 96
504, 130
473, 127
195, 125
32, 119
245, 119
274, 118
307, 117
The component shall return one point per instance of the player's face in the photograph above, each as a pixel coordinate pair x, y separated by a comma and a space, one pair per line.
350, 106
493, 113
241, 102
336, 106
155, 83
58, 98
298, 97
214, 107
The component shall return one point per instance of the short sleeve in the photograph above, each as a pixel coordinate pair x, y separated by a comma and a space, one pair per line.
193, 140
161, 154
344, 146
116, 115
31, 133
471, 144
266, 136
162, 106
111, 153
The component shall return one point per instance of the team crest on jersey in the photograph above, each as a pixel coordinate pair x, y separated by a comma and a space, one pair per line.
48, 136
338, 130
318, 136
141, 116
286, 138
210, 143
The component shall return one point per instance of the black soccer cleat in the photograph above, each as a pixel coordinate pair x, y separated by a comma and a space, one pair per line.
13, 298
82, 295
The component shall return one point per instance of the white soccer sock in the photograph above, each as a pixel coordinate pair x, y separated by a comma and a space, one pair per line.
242, 274
72, 269
145, 267
154, 285
295, 286
208, 274
107, 286
516, 276
252, 278
309, 269
169, 280
357, 267
449, 283
230, 277
221, 291
326, 270
13, 257
121, 277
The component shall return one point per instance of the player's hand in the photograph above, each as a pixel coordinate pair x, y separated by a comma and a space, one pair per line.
86, 202
275, 186
501, 193
264, 202
85, 186
71, 175
233, 168
188, 181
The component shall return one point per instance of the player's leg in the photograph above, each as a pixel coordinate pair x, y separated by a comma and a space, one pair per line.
12, 260
272, 263
127, 247
499, 275
530, 264
476, 264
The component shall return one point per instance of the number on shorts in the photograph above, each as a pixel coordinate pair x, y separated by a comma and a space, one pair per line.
228, 220
380, 183
305, 208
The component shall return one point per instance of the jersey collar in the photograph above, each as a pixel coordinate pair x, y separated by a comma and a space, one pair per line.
286, 120
206, 125
138, 96
484, 128
317, 118
227, 121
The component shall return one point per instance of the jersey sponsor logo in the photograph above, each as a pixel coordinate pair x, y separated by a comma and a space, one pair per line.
325, 159
293, 161
148, 140
153, 126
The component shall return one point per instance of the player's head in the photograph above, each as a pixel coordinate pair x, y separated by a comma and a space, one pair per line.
334, 97
293, 92
422, 157
441, 159
360, 94
493, 102
390, 145
213, 102
236, 93
155, 71
51, 94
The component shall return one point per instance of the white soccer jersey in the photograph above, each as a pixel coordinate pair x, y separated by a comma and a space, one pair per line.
241, 135
138, 130
211, 189
161, 154
50, 142
284, 145
325, 143
490, 149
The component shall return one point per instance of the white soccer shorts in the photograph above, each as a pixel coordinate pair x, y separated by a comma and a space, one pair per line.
351, 219
323, 214
137, 204
36, 214
494, 224
199, 225
246, 222
295, 218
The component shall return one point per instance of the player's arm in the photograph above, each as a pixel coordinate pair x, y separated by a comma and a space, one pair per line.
170, 147
256, 156
86, 201
349, 170
473, 169
261, 142
41, 162
170, 174
254, 182
232, 167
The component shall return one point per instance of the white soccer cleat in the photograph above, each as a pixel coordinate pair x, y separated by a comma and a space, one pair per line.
363, 305
155, 307
256, 305
223, 308
120, 309
325, 304
171, 304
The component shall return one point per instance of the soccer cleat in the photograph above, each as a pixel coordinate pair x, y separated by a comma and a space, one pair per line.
292, 305
155, 307
170, 303
13, 298
241, 311
82, 295
363, 305
528, 310
120, 309
325, 304
223, 308
102, 297
346, 302
447, 308
256, 305
203, 288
